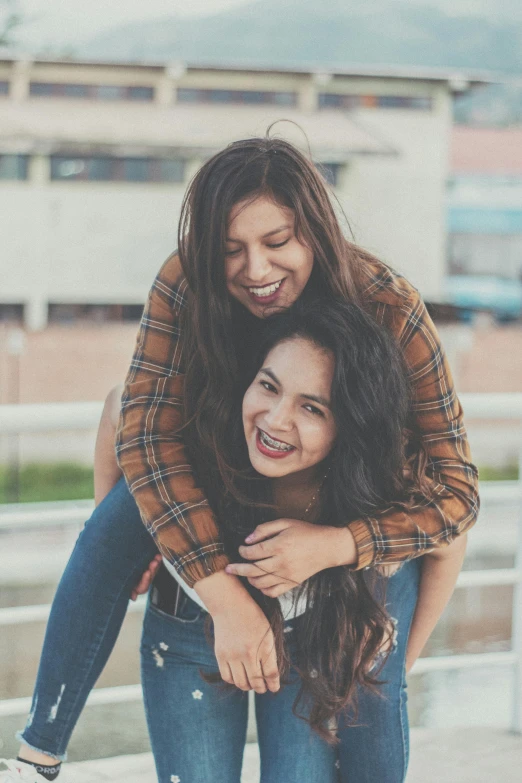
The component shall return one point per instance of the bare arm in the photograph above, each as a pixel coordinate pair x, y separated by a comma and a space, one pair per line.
107, 472
440, 570
106, 469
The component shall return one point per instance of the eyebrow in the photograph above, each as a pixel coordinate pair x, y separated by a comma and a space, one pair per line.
269, 234
314, 397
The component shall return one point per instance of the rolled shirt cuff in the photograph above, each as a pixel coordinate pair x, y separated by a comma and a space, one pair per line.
366, 550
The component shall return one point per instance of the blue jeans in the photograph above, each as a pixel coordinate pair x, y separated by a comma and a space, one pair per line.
377, 748
111, 553
198, 730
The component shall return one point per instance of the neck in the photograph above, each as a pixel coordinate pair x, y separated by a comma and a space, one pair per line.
293, 493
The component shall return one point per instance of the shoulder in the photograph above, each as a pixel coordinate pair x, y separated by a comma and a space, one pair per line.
171, 283
383, 284
396, 303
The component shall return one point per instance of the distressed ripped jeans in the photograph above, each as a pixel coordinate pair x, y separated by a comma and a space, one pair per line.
377, 748
91, 600
198, 730
110, 555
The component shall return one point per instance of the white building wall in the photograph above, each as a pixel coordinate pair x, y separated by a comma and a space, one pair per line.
104, 242
397, 205
85, 242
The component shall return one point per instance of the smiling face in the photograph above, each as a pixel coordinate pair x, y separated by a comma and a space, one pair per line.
289, 426
266, 266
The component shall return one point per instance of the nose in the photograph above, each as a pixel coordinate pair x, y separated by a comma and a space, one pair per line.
258, 266
279, 417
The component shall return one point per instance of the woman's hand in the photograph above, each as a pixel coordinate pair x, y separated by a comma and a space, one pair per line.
287, 552
146, 580
243, 639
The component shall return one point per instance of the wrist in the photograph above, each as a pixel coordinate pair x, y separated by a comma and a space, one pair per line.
343, 549
220, 591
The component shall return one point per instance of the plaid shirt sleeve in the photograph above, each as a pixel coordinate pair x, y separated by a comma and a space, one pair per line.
150, 450
395, 535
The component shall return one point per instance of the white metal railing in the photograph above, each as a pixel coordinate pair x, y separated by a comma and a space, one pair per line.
48, 417
19, 419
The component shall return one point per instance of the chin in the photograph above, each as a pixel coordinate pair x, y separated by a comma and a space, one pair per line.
266, 468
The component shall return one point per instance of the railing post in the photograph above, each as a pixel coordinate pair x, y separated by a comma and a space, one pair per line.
516, 625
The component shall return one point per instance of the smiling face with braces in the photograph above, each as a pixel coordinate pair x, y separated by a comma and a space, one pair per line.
288, 424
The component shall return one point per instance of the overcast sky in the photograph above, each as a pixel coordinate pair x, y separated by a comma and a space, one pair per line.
63, 22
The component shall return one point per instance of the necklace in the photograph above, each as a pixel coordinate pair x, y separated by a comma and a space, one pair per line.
315, 495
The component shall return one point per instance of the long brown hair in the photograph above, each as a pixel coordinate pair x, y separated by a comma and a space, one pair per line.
345, 626
341, 637
216, 330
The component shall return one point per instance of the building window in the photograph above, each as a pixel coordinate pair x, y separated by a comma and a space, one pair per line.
13, 166
64, 313
4, 88
140, 93
251, 97
105, 169
75, 90
330, 172
11, 313
329, 100
101, 92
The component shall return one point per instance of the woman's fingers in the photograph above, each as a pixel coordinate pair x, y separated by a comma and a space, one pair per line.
247, 676
264, 582
239, 675
243, 569
276, 590
254, 673
226, 673
270, 670
268, 529
250, 569
260, 551
146, 579
254, 676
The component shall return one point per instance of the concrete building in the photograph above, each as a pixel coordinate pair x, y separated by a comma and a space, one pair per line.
485, 202
95, 158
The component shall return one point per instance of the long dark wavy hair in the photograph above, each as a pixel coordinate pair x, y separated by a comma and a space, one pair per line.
340, 637
218, 332
345, 626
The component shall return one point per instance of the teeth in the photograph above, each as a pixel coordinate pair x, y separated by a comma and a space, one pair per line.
274, 444
267, 290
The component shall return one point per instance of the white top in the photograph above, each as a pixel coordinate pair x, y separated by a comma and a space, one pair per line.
289, 607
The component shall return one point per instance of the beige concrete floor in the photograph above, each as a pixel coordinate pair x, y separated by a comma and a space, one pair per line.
472, 755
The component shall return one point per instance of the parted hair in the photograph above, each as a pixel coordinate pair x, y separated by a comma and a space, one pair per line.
346, 627
215, 325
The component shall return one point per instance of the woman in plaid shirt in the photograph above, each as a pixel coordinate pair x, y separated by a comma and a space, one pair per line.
264, 209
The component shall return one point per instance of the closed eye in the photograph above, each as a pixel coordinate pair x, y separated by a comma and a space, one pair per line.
280, 244
272, 247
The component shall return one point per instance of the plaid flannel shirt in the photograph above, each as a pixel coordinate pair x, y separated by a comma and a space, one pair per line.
174, 509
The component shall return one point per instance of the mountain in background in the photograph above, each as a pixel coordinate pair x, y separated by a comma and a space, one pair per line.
286, 32
442, 33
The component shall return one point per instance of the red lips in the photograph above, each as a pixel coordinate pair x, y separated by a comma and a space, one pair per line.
272, 453
266, 299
